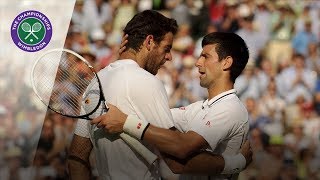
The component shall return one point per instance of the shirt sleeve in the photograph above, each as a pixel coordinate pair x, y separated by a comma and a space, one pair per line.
82, 128
89, 102
180, 122
182, 115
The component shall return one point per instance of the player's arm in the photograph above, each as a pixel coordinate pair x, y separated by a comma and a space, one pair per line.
202, 163
79, 152
174, 143
171, 142
205, 162
78, 158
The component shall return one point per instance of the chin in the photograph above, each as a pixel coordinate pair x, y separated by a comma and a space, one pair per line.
155, 72
203, 84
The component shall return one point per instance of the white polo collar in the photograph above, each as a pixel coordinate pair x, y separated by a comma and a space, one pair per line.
209, 103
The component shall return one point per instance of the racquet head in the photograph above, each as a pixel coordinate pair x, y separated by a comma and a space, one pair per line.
26, 27
67, 83
36, 27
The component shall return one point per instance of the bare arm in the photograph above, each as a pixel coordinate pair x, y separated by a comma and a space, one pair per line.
174, 143
78, 158
204, 163
171, 142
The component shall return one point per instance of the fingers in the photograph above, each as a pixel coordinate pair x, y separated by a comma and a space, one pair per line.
124, 38
96, 120
100, 125
122, 48
124, 41
112, 121
247, 144
99, 122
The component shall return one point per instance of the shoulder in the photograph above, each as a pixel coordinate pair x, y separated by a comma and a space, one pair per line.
125, 70
193, 105
140, 78
232, 109
128, 72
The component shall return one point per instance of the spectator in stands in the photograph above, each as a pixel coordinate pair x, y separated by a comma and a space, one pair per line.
296, 80
247, 84
303, 38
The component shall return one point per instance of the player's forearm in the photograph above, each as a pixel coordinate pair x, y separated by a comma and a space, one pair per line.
78, 158
78, 170
207, 163
204, 164
168, 141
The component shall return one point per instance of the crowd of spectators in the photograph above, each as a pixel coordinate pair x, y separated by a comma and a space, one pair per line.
280, 85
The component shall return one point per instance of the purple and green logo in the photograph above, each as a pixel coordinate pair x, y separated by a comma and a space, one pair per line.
31, 31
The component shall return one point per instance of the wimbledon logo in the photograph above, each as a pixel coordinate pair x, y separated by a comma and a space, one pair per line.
31, 31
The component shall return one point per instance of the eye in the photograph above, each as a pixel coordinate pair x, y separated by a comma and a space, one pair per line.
167, 49
204, 56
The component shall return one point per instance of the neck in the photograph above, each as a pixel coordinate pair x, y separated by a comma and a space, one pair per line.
131, 54
218, 89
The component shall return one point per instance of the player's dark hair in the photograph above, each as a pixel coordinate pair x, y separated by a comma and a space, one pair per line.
229, 44
148, 22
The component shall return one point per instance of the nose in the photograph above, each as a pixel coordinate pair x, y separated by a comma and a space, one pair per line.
199, 62
168, 56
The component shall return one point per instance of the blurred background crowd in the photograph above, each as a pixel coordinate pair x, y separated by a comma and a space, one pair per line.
280, 85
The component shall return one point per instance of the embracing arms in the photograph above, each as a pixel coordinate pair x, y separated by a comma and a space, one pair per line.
178, 145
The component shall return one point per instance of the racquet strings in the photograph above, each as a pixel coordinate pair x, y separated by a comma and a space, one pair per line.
36, 27
66, 84
26, 27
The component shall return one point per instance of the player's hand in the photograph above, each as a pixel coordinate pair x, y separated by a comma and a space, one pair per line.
112, 121
124, 41
246, 151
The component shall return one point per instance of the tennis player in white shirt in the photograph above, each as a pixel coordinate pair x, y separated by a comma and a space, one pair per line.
218, 125
125, 83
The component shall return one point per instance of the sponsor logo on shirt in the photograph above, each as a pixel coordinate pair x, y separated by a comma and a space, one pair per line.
208, 124
139, 126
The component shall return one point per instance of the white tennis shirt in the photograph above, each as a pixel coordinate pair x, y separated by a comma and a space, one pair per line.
222, 121
134, 91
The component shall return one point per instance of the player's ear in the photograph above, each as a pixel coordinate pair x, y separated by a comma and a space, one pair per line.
227, 63
149, 41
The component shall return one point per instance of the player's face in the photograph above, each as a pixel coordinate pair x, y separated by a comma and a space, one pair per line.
210, 68
159, 54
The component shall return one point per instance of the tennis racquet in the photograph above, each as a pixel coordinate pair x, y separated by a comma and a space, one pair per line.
36, 27
67, 84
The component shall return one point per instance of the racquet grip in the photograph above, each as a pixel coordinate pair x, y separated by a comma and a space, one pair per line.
149, 156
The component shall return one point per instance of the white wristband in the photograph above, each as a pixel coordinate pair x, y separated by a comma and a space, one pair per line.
233, 164
135, 126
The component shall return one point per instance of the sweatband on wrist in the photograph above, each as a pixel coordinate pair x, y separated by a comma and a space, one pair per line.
135, 126
233, 164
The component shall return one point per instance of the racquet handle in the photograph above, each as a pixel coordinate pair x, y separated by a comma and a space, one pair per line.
149, 156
